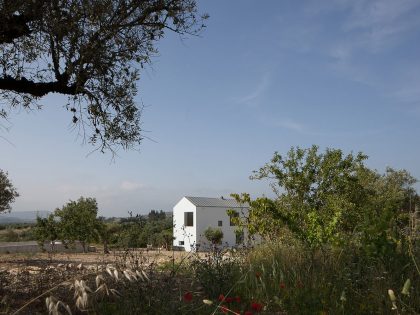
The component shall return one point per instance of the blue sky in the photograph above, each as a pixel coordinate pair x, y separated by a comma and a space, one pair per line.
263, 77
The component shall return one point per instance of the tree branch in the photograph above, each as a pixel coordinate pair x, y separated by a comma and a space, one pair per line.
37, 89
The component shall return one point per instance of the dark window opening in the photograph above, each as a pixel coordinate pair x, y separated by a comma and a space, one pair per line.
181, 243
219, 223
189, 219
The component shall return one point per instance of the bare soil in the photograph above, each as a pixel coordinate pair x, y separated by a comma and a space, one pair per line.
24, 276
21, 260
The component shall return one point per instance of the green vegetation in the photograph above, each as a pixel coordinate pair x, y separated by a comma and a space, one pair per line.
17, 232
76, 221
92, 52
138, 231
338, 238
327, 200
8, 192
214, 235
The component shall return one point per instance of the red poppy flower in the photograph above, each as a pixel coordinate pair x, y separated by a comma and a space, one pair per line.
256, 306
258, 274
229, 299
237, 299
282, 285
221, 297
248, 313
188, 297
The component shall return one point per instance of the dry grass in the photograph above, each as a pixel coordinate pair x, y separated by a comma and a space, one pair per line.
24, 277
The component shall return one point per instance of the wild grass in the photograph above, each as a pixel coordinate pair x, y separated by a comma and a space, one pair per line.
298, 281
273, 278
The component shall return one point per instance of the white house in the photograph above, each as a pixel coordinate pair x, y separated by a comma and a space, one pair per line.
193, 215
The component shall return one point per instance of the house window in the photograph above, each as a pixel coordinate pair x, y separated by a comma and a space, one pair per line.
181, 243
219, 223
188, 219
234, 215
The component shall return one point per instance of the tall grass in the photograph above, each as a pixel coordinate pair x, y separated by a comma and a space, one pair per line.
272, 278
294, 280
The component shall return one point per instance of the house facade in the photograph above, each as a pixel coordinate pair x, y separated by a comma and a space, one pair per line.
193, 215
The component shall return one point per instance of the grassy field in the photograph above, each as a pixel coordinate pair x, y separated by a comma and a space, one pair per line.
270, 279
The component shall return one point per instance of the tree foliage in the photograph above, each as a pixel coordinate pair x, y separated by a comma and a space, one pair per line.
8, 192
91, 51
213, 235
75, 221
330, 199
155, 229
47, 229
262, 219
78, 221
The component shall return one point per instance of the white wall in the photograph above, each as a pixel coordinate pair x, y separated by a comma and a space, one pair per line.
209, 217
204, 217
186, 234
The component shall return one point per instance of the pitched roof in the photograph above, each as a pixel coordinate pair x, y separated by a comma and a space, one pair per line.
215, 202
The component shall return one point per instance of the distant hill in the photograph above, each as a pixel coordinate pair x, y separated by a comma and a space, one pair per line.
21, 216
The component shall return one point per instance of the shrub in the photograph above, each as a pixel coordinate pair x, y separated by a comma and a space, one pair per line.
214, 235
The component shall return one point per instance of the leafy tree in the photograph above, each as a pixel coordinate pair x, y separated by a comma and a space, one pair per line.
90, 51
131, 234
155, 215
214, 235
137, 231
386, 221
319, 195
47, 229
105, 231
331, 199
165, 238
8, 192
78, 221
263, 217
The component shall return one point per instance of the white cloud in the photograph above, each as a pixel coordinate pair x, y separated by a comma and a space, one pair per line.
253, 98
71, 189
285, 123
292, 125
363, 36
374, 26
130, 186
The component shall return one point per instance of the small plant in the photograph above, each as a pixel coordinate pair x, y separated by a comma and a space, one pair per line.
214, 235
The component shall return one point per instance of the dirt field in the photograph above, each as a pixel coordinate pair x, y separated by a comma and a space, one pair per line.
24, 277
25, 260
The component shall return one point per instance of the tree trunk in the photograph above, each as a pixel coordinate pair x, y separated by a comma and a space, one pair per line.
106, 249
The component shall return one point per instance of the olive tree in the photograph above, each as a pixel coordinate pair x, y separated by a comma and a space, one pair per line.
90, 51
8, 192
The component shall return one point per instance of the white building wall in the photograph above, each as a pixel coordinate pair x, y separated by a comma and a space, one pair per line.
209, 217
203, 217
186, 234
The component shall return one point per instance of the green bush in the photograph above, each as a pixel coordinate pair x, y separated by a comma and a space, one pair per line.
218, 272
214, 235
